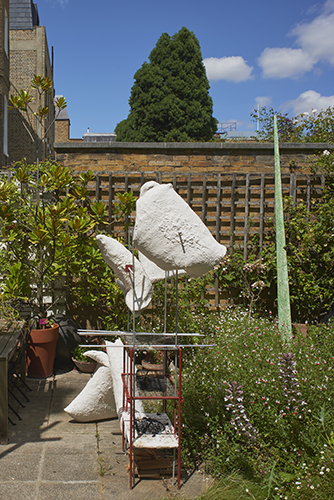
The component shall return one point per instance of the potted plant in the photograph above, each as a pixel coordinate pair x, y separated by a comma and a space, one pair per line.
46, 223
41, 349
82, 362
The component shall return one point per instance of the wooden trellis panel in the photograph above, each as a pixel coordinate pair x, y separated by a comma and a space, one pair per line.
233, 206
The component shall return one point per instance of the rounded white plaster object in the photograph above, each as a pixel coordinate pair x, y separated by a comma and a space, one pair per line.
169, 233
135, 284
96, 400
154, 272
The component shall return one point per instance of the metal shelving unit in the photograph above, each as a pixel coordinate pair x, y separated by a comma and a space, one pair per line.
151, 430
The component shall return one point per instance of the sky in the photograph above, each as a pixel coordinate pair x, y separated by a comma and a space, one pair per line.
278, 54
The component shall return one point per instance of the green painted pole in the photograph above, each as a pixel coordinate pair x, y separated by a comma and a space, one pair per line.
283, 296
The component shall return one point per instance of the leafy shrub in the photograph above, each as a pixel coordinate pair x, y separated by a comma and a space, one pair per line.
255, 404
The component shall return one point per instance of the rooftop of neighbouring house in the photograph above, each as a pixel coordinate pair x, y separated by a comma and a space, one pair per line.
23, 15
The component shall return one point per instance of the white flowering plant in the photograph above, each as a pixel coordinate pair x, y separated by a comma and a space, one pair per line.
257, 405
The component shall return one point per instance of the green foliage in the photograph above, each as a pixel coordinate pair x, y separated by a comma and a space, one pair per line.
234, 487
48, 222
314, 127
8, 315
265, 117
192, 301
169, 100
255, 405
250, 282
78, 353
310, 251
42, 85
124, 207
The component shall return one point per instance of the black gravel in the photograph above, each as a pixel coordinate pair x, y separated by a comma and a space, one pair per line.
148, 425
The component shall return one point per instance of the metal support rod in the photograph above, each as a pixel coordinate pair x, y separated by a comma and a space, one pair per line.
176, 303
165, 302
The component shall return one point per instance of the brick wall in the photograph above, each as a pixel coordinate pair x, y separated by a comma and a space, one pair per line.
185, 157
62, 130
29, 55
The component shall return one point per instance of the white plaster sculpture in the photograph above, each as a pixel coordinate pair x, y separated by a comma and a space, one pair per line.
154, 272
169, 233
96, 400
120, 260
115, 355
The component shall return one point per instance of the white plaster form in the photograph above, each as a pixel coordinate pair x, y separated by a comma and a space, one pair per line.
96, 400
154, 272
169, 233
120, 259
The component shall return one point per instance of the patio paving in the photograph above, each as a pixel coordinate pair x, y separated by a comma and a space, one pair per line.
51, 457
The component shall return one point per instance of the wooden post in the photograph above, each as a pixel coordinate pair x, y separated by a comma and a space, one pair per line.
246, 216
189, 190
232, 212
97, 187
111, 198
3, 402
204, 199
261, 222
218, 211
308, 193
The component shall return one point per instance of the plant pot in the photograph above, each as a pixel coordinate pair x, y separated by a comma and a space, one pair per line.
41, 351
85, 366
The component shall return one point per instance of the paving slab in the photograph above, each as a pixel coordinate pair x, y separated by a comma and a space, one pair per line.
52, 457
70, 459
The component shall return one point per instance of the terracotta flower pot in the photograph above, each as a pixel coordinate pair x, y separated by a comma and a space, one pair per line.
85, 366
41, 350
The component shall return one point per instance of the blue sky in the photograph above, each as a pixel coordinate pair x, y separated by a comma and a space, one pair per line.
279, 54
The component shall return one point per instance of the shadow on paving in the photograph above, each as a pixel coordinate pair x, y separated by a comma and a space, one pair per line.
50, 456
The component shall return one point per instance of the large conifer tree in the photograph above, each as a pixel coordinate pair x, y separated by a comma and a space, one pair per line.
170, 100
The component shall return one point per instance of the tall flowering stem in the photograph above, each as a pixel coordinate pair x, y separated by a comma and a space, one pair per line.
234, 402
290, 385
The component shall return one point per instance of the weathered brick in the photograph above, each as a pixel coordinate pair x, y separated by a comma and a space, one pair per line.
29, 55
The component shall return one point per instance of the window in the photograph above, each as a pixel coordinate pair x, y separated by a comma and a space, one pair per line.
5, 125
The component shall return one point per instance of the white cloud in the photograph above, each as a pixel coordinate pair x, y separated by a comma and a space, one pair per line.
62, 3
284, 62
234, 69
329, 7
317, 37
263, 101
307, 101
316, 43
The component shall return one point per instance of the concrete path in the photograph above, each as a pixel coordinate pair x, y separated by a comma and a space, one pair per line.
51, 457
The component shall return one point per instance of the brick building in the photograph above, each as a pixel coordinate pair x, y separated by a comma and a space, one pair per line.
4, 80
62, 125
29, 55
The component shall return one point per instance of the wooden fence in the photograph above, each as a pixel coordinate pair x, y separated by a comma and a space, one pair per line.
233, 206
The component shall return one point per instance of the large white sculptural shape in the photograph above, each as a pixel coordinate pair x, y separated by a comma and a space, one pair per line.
169, 233
96, 400
134, 283
154, 272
